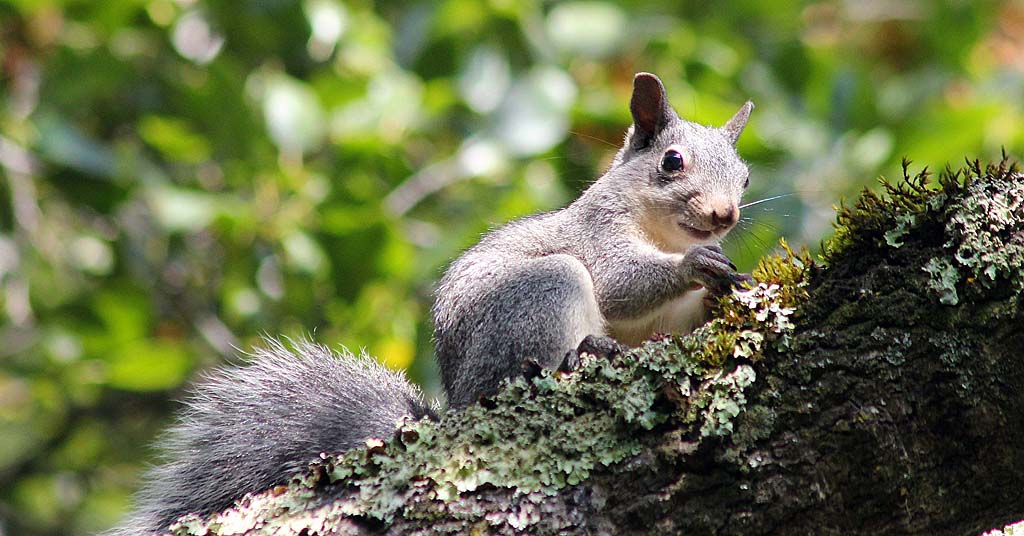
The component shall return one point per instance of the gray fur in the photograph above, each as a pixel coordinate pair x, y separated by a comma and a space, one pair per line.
625, 264
251, 427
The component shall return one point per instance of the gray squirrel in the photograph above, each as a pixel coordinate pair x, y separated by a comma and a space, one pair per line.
636, 254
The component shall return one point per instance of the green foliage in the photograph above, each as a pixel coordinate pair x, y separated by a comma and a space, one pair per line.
179, 177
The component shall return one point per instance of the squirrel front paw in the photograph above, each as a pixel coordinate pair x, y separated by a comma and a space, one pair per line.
708, 267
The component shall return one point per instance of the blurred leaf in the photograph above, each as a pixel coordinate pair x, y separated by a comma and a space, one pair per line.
594, 29
194, 38
174, 138
82, 448
179, 209
873, 148
485, 79
145, 365
398, 353
38, 498
327, 21
304, 253
125, 314
292, 113
30, 413
63, 144
391, 106
535, 115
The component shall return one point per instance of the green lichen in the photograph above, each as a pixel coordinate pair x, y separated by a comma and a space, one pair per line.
717, 406
894, 237
943, 280
982, 237
982, 232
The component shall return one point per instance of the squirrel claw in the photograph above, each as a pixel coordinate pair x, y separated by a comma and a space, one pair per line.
739, 279
570, 362
532, 368
603, 347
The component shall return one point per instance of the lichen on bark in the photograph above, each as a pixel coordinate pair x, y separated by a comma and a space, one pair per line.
877, 391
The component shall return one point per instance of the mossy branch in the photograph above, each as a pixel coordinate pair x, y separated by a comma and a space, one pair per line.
879, 392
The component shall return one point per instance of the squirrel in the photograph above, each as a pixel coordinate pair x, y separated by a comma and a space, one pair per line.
636, 254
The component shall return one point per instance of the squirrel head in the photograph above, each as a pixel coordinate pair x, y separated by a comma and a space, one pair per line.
684, 180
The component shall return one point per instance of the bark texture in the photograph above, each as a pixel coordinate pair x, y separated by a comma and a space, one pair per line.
877, 391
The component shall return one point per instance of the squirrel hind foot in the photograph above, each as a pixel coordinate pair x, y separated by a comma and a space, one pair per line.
602, 347
595, 345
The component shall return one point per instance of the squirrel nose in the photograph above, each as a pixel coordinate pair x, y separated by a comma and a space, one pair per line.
725, 215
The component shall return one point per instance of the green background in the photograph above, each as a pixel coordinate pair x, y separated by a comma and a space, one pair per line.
179, 177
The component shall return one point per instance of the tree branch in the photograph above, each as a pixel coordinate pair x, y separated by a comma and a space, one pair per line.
880, 392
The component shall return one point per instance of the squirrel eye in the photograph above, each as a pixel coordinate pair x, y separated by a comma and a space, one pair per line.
746, 183
672, 161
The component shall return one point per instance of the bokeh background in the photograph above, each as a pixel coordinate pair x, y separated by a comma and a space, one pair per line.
179, 177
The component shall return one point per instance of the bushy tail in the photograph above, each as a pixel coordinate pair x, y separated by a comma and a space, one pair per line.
248, 428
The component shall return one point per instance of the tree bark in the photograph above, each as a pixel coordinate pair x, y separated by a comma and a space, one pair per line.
878, 391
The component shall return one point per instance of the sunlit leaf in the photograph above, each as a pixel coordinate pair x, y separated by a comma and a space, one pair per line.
292, 112
327, 22
535, 115
174, 138
485, 79
146, 365
593, 29
194, 37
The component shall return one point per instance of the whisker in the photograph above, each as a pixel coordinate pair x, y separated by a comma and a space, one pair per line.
748, 219
745, 227
772, 210
759, 201
742, 238
749, 234
595, 138
763, 224
746, 232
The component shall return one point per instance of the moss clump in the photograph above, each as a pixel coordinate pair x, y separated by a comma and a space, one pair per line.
747, 319
970, 222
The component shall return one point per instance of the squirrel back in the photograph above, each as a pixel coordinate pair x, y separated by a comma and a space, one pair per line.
249, 428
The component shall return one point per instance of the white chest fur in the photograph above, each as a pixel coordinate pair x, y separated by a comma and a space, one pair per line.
680, 315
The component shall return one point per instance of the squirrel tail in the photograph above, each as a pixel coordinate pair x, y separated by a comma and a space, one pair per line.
247, 428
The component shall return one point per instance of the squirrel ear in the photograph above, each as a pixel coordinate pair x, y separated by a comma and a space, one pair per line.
650, 109
734, 127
